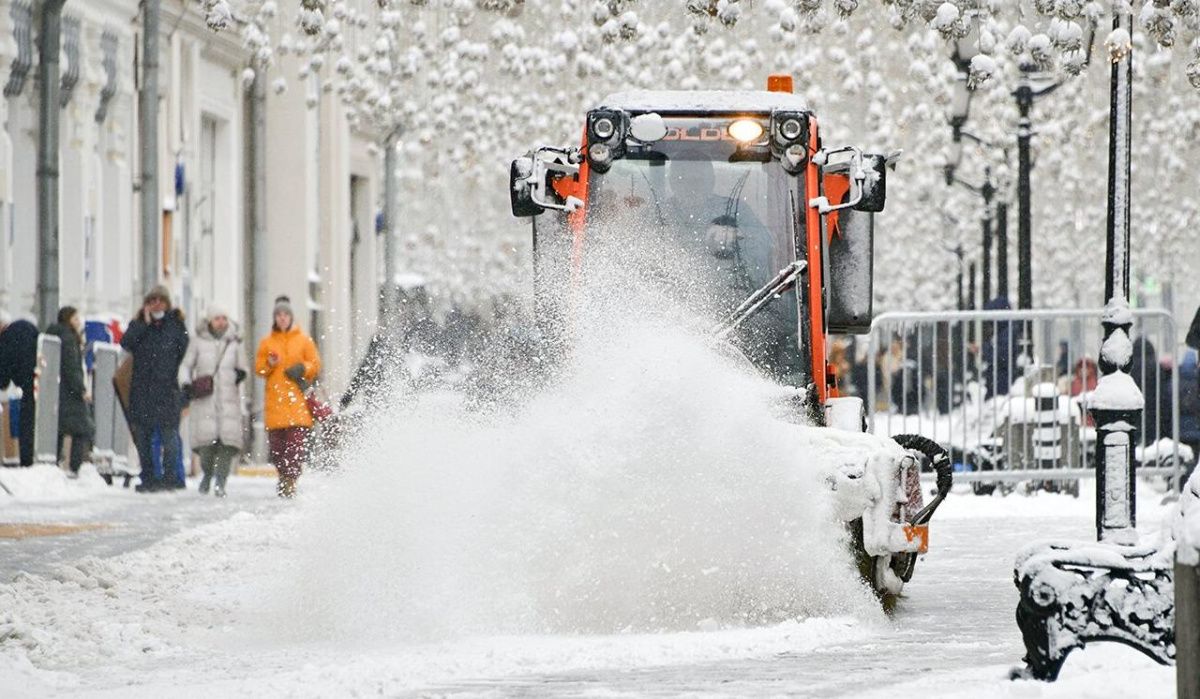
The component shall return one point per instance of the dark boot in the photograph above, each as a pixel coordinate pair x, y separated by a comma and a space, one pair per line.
286, 487
208, 474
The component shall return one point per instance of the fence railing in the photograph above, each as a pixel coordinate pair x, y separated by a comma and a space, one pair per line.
1006, 391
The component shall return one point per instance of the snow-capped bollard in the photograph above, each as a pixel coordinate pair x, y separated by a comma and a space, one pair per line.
1116, 405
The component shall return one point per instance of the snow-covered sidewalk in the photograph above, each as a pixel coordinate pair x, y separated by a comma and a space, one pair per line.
195, 613
100, 520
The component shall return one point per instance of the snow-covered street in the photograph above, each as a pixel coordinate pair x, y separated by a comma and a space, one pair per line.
185, 608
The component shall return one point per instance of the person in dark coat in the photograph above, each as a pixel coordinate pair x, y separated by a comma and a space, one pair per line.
1002, 348
18, 358
1155, 386
1193, 334
157, 338
74, 415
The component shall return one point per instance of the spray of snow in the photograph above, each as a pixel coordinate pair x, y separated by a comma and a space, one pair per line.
653, 486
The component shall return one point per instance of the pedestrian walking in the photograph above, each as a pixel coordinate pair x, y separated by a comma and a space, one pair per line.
211, 375
157, 338
18, 359
74, 398
288, 360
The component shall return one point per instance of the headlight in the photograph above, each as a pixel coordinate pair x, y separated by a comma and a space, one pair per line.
793, 157
604, 128
746, 130
791, 129
600, 152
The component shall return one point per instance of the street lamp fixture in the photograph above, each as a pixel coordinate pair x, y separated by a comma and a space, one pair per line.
966, 46
960, 100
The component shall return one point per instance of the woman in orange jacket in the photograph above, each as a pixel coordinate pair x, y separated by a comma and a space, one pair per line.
287, 358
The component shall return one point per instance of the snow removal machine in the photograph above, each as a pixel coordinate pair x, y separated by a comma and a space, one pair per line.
768, 232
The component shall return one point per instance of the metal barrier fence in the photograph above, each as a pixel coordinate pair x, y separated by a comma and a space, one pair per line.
45, 390
111, 447
1006, 391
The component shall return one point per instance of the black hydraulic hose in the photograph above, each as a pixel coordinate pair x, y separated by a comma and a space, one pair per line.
939, 459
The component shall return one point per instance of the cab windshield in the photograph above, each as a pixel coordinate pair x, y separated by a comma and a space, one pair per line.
713, 225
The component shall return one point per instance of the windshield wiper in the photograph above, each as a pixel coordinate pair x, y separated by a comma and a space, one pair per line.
784, 281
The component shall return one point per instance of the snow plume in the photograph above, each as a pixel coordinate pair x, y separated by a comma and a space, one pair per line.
652, 486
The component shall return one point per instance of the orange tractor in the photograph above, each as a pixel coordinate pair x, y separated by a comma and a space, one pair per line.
777, 230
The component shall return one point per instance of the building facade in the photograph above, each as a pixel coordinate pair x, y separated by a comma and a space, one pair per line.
322, 179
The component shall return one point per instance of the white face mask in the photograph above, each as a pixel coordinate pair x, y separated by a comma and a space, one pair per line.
158, 315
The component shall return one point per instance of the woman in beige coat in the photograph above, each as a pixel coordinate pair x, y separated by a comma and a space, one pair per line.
215, 418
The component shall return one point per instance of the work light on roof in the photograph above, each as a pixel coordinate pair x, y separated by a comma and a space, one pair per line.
746, 130
604, 128
791, 129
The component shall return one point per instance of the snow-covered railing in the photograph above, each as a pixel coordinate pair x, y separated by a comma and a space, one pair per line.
1007, 392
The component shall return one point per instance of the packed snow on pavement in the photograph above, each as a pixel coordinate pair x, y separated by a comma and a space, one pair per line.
648, 527
197, 613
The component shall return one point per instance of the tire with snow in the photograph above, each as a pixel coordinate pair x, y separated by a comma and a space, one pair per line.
889, 573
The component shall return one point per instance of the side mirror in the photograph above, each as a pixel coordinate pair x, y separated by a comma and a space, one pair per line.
529, 180
874, 186
520, 189
850, 282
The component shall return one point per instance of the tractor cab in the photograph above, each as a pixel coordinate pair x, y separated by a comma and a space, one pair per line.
772, 231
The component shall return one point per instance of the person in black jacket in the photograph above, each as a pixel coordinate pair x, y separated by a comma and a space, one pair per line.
74, 416
1193, 334
157, 338
1003, 346
18, 357
1156, 390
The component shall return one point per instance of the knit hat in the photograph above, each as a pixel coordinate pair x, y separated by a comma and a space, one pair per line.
214, 311
159, 291
284, 304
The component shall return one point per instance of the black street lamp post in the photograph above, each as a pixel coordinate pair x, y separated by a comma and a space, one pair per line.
965, 49
1002, 249
988, 192
1115, 589
1025, 94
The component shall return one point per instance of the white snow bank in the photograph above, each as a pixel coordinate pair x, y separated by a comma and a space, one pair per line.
1187, 524
45, 482
1100, 671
